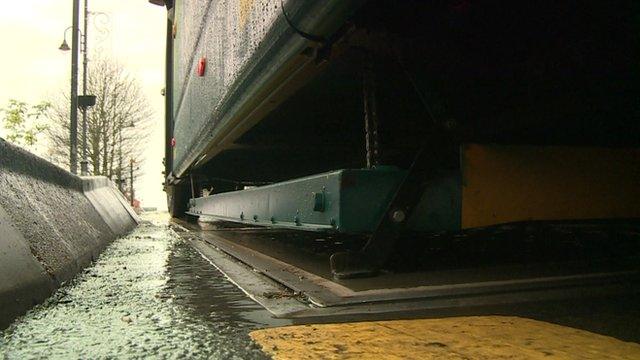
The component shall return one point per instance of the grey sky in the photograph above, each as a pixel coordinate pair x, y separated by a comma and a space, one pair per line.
32, 68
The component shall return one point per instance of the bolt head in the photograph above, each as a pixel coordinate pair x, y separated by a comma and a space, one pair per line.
398, 216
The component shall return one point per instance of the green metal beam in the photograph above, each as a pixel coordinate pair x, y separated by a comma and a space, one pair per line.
348, 201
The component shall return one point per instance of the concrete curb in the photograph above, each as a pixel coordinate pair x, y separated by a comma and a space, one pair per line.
52, 224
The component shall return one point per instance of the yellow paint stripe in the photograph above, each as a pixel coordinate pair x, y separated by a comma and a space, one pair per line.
245, 10
476, 337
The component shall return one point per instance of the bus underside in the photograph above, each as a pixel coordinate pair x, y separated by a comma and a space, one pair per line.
416, 136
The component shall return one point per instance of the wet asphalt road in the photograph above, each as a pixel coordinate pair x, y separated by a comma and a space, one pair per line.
148, 295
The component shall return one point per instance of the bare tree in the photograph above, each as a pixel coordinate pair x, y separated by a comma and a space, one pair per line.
117, 125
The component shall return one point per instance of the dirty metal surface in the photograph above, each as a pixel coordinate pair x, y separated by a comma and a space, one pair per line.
403, 292
246, 44
275, 297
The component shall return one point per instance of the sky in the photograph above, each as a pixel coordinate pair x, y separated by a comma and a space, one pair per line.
131, 32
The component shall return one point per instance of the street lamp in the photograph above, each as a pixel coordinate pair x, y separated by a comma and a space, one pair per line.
65, 46
85, 100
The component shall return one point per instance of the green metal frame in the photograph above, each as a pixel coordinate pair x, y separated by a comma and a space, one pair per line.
348, 201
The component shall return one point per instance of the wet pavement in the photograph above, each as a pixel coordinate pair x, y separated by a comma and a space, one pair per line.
148, 295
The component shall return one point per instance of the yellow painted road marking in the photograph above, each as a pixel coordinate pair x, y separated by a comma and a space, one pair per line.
477, 337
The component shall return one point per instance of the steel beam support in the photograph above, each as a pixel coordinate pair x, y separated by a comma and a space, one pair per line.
347, 201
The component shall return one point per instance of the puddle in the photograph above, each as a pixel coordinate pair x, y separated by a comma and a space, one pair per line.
149, 294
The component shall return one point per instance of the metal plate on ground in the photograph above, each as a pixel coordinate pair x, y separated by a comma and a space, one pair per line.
316, 295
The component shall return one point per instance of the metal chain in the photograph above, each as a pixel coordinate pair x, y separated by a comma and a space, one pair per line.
370, 116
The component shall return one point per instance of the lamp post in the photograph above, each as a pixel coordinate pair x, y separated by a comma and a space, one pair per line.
73, 134
84, 164
85, 100
131, 193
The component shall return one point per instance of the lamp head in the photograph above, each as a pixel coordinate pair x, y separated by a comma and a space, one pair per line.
64, 46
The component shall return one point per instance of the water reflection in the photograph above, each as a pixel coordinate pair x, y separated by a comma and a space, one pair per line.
148, 294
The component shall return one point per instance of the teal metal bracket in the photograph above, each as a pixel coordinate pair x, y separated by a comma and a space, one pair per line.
346, 201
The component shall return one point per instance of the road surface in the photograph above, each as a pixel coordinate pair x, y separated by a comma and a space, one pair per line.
149, 294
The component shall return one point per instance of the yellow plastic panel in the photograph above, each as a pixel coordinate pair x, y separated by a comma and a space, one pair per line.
504, 184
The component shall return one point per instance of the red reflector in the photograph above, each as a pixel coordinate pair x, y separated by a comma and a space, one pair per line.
202, 64
173, 142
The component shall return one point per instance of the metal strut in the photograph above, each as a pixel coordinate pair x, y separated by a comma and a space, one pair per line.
368, 260
380, 245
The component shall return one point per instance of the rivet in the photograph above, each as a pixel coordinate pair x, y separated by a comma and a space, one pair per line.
398, 216
319, 201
